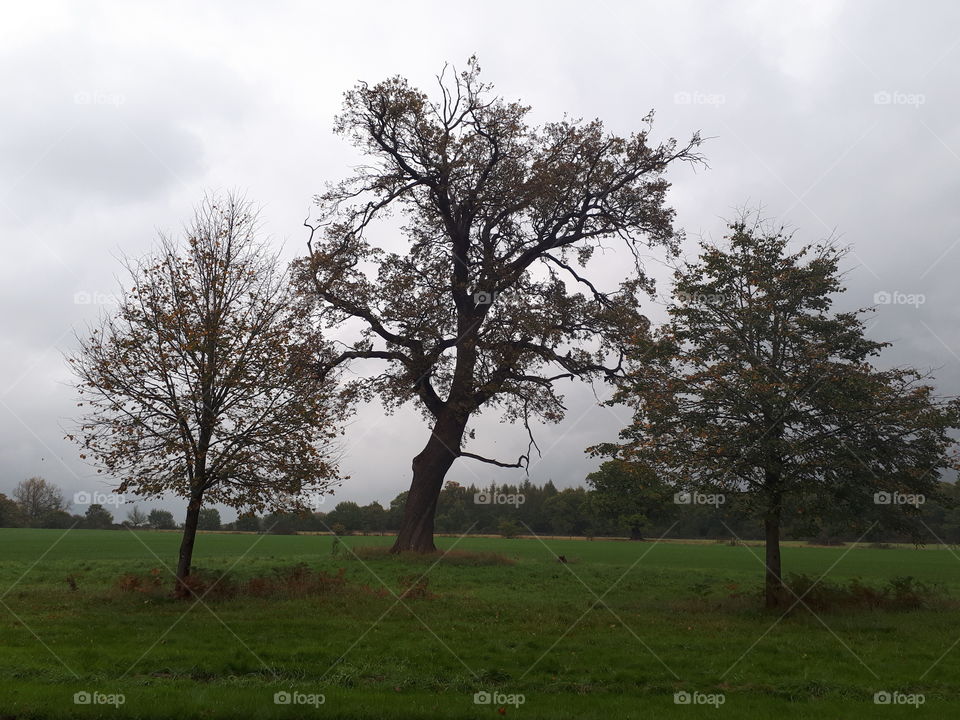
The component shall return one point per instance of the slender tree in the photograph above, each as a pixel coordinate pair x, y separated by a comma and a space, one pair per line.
136, 517
490, 305
202, 382
757, 387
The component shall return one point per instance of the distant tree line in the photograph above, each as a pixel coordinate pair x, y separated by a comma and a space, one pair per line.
610, 507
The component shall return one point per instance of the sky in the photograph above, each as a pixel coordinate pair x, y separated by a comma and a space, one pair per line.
837, 119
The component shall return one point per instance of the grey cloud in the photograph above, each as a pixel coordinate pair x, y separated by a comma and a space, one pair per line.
792, 94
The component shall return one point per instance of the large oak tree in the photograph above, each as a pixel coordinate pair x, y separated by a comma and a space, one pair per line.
757, 386
489, 304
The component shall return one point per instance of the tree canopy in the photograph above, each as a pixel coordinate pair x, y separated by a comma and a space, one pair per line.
757, 387
490, 304
202, 383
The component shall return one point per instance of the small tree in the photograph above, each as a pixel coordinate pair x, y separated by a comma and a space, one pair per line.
38, 498
161, 520
136, 518
373, 518
97, 517
348, 514
10, 513
60, 520
491, 303
759, 389
508, 528
630, 493
202, 382
247, 522
209, 519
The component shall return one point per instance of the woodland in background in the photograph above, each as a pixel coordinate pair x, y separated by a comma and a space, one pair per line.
545, 511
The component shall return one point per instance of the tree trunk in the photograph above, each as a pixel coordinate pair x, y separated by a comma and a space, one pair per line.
186, 545
429, 469
773, 585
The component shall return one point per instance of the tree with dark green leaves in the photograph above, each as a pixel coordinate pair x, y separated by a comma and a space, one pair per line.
348, 514
209, 519
630, 492
161, 520
373, 518
10, 513
247, 522
97, 517
756, 386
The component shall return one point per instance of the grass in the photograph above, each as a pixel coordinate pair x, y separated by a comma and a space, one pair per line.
495, 615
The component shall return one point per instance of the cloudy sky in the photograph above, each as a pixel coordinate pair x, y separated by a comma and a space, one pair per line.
838, 118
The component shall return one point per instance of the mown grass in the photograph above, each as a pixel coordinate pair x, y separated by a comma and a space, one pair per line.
494, 615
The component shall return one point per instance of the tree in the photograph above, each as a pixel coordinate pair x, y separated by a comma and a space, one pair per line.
761, 389
508, 528
202, 384
247, 522
281, 523
568, 512
97, 517
136, 518
348, 514
490, 305
60, 520
209, 519
373, 518
161, 520
629, 492
38, 498
10, 513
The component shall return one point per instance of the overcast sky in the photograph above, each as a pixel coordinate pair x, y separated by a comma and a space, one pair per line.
837, 117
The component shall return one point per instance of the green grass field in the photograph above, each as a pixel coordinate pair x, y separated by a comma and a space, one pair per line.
674, 617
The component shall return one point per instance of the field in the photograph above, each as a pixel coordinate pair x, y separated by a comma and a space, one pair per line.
613, 633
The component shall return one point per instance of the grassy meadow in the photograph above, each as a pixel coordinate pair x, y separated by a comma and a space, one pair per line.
615, 632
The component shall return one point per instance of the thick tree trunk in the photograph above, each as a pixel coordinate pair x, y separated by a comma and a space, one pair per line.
186, 545
429, 469
773, 585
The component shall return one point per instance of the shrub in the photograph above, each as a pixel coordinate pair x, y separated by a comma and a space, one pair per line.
508, 529
900, 593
